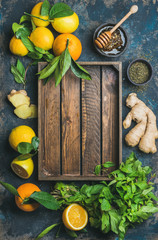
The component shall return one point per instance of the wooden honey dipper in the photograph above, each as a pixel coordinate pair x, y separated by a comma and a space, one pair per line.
105, 36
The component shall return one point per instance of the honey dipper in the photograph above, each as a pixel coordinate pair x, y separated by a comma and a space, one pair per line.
105, 36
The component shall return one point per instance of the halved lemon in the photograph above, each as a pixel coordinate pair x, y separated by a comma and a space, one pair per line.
75, 217
23, 168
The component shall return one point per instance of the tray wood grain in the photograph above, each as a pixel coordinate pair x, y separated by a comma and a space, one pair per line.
80, 123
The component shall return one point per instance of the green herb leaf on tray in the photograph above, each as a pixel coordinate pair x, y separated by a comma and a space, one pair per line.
25, 147
57, 75
45, 8
47, 230
65, 60
10, 188
79, 71
45, 199
60, 10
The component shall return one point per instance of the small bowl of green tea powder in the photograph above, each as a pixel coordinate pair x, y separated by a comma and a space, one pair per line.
139, 72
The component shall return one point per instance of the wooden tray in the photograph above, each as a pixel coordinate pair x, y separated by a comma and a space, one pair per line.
80, 123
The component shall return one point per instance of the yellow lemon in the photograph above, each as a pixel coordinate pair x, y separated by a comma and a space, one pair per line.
42, 37
75, 217
23, 168
36, 11
17, 47
20, 134
66, 24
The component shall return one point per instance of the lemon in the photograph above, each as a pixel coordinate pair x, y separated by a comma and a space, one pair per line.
17, 47
66, 24
20, 134
42, 37
36, 12
23, 168
75, 217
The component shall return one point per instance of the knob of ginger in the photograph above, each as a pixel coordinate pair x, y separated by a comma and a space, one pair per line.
145, 132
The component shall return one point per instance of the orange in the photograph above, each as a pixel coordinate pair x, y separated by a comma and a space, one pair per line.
42, 37
36, 11
75, 217
25, 191
66, 24
20, 134
17, 47
75, 47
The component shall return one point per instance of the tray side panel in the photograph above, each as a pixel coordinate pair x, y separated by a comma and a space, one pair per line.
110, 115
49, 128
70, 124
91, 154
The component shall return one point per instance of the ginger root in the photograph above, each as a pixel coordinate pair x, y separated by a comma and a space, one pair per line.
21, 102
145, 132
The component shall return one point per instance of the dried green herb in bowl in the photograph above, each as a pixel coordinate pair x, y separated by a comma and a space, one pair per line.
139, 72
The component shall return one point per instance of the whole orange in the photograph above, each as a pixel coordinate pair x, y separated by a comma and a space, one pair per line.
25, 190
75, 46
17, 47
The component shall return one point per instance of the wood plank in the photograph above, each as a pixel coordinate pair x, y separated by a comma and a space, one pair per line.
91, 121
49, 128
110, 116
70, 124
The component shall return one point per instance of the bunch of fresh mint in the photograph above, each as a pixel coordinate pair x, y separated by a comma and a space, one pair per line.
117, 205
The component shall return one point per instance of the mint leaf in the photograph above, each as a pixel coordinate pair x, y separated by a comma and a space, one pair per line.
105, 205
45, 199
60, 10
10, 188
25, 147
108, 164
97, 170
45, 8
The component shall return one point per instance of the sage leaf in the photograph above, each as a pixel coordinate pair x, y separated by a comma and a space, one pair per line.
25, 18
25, 156
45, 8
49, 69
10, 188
60, 10
28, 44
45, 199
71, 233
16, 27
25, 147
58, 75
20, 68
17, 75
79, 71
35, 143
47, 230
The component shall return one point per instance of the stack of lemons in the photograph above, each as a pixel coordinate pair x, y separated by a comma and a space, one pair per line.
23, 133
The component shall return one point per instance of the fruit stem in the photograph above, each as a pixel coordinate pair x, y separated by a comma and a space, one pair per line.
36, 17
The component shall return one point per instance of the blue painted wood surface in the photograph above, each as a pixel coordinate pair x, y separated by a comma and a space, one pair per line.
142, 33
